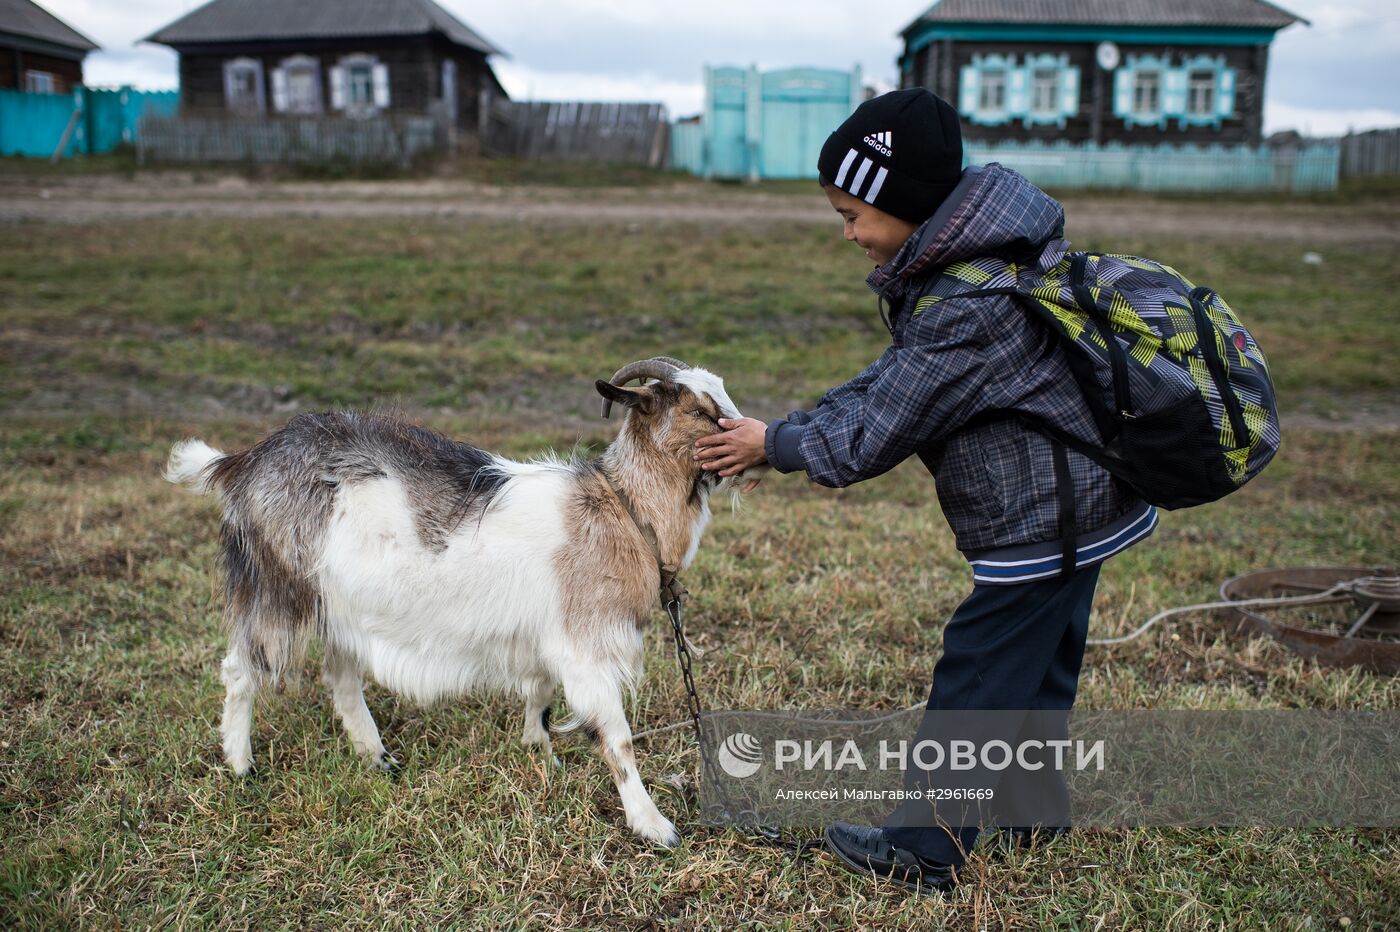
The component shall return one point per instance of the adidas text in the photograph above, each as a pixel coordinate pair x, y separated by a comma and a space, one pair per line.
878, 146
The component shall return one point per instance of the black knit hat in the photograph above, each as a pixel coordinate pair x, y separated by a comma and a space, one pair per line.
901, 152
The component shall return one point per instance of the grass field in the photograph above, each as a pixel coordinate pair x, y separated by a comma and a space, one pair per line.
115, 810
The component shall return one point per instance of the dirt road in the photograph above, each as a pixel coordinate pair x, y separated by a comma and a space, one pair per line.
87, 199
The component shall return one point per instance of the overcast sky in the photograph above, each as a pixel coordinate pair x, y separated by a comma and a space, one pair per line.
1342, 72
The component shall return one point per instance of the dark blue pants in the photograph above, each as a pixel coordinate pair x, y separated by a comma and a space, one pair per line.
1005, 648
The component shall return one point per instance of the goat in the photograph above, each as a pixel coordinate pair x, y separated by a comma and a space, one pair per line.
438, 568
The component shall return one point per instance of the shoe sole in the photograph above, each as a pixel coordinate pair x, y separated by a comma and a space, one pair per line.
918, 887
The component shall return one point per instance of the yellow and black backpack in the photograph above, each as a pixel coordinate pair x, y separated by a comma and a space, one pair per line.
1178, 387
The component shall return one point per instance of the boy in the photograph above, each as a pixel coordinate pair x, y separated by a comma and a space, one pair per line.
1033, 519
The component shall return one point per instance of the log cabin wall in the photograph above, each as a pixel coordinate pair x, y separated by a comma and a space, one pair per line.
940, 66
414, 65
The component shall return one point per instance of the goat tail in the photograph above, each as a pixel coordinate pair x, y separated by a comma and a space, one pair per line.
190, 464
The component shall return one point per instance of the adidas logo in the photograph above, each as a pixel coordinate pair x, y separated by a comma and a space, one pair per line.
882, 143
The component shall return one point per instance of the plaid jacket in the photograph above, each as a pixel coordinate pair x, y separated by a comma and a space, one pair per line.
951, 370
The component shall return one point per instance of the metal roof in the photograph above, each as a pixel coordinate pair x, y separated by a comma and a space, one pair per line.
252, 20
1245, 13
24, 18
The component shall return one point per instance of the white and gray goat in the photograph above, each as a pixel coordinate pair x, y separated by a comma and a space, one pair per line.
438, 568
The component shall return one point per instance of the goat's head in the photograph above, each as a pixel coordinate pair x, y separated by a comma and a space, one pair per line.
675, 405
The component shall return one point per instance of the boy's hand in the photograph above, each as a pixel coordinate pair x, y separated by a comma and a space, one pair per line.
738, 448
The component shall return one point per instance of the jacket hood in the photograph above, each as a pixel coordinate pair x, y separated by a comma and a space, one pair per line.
992, 212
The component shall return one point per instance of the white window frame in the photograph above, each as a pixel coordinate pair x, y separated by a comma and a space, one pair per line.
1145, 79
1202, 83
993, 79
1045, 83
40, 82
282, 85
256, 102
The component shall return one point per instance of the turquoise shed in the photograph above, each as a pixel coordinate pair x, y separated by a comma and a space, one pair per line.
765, 124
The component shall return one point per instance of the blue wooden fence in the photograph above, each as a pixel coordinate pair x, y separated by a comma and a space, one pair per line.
688, 147
1065, 166
34, 124
1186, 168
764, 125
113, 115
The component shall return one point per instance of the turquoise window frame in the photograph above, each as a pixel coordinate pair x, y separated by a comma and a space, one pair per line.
1018, 99
1223, 104
972, 99
1125, 90
1066, 90
1174, 91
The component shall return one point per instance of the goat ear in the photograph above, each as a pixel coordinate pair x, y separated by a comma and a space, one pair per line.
639, 398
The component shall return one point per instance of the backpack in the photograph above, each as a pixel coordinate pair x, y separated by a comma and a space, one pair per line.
1178, 387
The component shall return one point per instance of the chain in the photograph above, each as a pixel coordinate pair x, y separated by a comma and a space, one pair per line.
673, 596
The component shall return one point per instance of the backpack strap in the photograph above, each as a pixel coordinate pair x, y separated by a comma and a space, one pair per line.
1105, 419
1069, 518
1060, 443
1117, 359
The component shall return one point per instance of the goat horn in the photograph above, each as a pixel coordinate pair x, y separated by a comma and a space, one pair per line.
657, 367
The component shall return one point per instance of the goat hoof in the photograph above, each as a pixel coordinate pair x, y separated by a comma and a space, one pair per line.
658, 831
389, 765
556, 763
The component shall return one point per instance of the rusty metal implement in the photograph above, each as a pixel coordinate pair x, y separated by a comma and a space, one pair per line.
1370, 639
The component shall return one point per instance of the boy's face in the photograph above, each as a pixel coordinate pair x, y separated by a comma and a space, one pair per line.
878, 233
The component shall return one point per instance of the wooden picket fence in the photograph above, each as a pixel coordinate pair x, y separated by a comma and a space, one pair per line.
601, 132
396, 140
1372, 153
1070, 166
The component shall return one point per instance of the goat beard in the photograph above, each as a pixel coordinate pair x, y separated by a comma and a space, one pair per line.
736, 487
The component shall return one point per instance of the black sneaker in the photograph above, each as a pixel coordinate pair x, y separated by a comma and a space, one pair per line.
867, 851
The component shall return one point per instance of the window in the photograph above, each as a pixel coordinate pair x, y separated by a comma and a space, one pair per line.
991, 97
1147, 93
296, 85
1045, 91
1200, 93
303, 86
359, 83
40, 82
1037, 90
243, 86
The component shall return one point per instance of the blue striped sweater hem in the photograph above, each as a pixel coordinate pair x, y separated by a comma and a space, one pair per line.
1027, 563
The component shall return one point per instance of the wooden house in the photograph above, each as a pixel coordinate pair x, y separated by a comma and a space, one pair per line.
350, 58
1136, 72
40, 53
